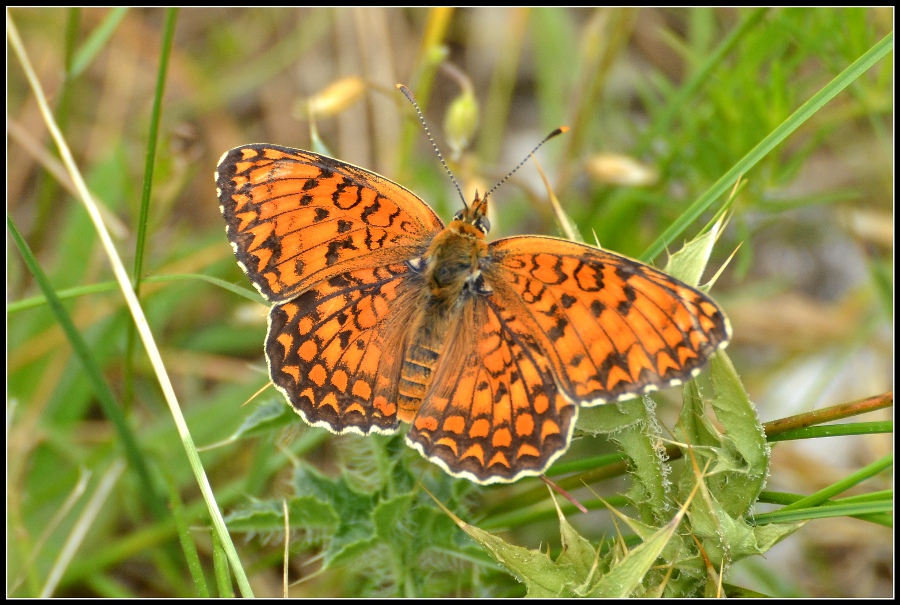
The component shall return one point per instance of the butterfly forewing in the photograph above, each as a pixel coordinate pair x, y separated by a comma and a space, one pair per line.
612, 327
295, 218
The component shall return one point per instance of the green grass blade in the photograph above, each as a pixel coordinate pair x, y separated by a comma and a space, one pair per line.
824, 512
187, 541
104, 393
676, 104
835, 430
82, 525
149, 161
137, 312
152, 137
39, 301
843, 485
96, 41
48, 187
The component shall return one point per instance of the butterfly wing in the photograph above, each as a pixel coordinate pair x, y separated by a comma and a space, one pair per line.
329, 244
611, 327
295, 218
335, 351
492, 412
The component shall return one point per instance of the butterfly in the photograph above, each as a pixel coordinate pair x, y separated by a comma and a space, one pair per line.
383, 315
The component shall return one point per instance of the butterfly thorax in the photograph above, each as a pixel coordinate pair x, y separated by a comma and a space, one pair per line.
452, 262
454, 257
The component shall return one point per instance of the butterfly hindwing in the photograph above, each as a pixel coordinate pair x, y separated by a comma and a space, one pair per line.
335, 350
493, 412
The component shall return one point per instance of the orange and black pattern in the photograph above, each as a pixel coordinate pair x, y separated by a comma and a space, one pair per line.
497, 415
382, 315
295, 217
334, 349
612, 327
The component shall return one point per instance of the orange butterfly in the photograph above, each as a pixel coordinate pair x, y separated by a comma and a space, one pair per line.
382, 314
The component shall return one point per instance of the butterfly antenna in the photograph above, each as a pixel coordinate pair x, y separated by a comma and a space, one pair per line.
556, 132
409, 96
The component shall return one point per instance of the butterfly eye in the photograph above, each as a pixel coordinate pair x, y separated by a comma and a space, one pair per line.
483, 224
459, 215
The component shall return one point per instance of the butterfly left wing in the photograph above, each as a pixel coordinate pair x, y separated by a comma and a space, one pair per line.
295, 218
331, 245
611, 327
492, 412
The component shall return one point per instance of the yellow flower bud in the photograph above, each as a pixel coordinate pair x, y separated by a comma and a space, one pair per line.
461, 122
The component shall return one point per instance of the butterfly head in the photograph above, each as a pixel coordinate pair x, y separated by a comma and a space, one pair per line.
472, 219
474, 214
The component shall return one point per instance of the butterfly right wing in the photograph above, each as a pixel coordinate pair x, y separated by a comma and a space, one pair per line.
295, 218
492, 412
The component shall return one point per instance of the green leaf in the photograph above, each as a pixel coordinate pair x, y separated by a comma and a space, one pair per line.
611, 418
271, 414
305, 512
634, 427
732, 465
577, 553
694, 427
735, 461
744, 432
689, 263
356, 531
388, 514
542, 576
626, 575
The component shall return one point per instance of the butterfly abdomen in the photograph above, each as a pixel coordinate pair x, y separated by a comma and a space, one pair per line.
427, 333
415, 374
